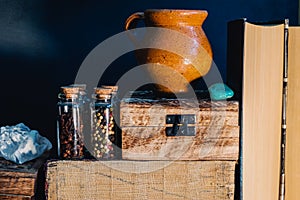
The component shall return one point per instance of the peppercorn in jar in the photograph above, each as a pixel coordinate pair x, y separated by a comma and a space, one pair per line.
102, 125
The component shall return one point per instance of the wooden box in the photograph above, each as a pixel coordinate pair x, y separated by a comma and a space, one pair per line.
135, 180
179, 129
18, 181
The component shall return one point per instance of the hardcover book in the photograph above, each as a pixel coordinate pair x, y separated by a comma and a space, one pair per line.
261, 68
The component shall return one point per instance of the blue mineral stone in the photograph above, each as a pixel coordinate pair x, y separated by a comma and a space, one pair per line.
20, 144
220, 91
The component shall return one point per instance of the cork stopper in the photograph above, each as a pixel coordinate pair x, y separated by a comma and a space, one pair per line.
81, 87
113, 87
70, 92
102, 93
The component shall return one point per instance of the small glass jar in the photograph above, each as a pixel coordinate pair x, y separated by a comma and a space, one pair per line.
69, 124
102, 125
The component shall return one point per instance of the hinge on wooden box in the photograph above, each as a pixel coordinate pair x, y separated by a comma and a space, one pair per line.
181, 125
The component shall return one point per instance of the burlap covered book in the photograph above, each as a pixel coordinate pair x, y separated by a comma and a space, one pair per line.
135, 180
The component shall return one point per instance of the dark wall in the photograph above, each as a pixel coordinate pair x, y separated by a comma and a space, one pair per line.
43, 43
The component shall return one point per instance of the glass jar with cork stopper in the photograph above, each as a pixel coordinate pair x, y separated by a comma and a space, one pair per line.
70, 123
102, 124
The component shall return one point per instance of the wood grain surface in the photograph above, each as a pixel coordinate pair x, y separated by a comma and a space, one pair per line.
151, 143
20, 181
143, 124
143, 112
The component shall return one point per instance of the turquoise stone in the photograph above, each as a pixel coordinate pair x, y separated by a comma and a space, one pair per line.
220, 91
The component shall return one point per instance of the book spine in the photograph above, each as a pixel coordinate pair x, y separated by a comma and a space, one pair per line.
284, 103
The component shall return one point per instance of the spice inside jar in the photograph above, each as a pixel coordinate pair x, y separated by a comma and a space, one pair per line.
70, 125
103, 124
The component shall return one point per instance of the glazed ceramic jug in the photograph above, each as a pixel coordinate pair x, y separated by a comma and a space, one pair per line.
190, 58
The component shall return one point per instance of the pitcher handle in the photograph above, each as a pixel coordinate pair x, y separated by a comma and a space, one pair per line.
132, 20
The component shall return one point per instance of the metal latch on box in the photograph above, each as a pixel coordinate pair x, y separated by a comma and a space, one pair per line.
181, 125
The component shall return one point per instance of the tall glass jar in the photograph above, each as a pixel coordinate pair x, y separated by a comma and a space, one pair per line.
102, 125
70, 124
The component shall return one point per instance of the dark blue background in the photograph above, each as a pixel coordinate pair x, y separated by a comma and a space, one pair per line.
43, 43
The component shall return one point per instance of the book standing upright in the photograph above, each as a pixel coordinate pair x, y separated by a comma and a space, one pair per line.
263, 64
255, 72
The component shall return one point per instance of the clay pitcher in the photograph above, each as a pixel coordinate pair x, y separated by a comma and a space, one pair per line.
172, 71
